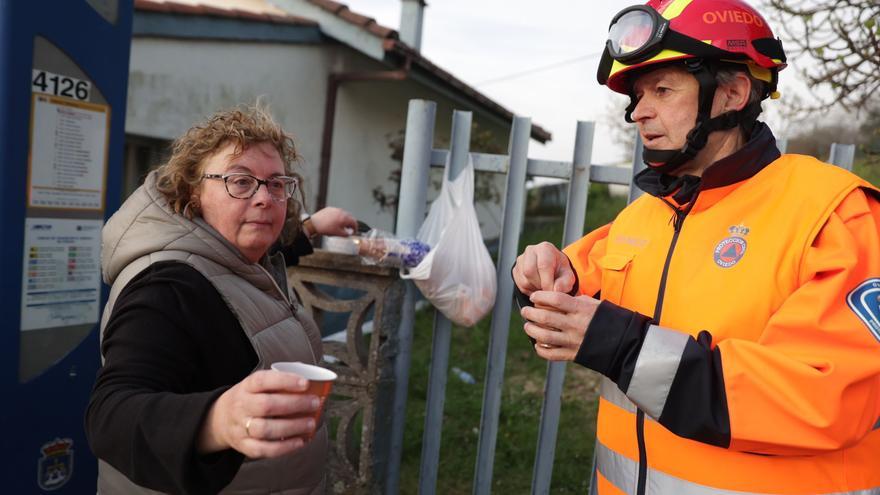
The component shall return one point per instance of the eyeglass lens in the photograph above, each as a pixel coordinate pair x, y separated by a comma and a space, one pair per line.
245, 186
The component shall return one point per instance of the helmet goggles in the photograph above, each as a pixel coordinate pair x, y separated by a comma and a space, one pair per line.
636, 34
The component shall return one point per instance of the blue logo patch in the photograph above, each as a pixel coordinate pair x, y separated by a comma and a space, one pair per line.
729, 251
55, 467
864, 300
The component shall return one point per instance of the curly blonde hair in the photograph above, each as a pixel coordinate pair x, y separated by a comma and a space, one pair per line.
243, 126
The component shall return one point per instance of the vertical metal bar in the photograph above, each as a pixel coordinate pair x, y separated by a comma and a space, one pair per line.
842, 155
594, 487
638, 164
410, 213
460, 144
578, 186
782, 145
575, 212
507, 251
416, 167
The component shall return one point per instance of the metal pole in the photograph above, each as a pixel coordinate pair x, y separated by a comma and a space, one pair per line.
460, 144
575, 212
410, 213
782, 145
512, 218
638, 164
842, 155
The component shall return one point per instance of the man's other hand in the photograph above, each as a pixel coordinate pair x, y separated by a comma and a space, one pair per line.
543, 267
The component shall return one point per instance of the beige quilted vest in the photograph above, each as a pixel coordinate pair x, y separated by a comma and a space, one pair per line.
145, 231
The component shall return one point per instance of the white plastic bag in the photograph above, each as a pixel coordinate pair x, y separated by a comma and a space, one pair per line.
457, 276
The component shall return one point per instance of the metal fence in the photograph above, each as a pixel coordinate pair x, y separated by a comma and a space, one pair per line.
418, 157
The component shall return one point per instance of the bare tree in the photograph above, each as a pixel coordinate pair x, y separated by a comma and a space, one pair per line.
843, 36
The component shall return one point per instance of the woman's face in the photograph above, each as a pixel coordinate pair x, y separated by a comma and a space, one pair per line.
252, 225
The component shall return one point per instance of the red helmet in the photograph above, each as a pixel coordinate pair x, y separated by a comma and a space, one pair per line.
667, 30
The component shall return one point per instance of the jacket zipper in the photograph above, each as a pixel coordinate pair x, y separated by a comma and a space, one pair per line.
283, 294
658, 310
292, 306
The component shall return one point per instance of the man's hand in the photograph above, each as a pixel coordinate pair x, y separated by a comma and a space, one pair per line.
543, 267
558, 322
333, 221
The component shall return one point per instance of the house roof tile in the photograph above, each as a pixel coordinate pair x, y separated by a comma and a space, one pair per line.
253, 10
343, 12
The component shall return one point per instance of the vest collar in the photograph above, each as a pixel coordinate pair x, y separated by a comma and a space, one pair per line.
758, 152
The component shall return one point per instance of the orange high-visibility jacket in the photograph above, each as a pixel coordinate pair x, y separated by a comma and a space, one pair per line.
739, 337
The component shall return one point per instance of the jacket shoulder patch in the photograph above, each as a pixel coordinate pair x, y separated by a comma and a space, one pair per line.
864, 300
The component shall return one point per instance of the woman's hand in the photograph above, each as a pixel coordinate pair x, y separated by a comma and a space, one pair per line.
265, 415
558, 322
333, 221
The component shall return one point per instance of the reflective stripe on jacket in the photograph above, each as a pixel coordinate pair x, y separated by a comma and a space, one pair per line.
755, 375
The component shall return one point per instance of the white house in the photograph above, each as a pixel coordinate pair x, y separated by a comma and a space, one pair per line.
336, 79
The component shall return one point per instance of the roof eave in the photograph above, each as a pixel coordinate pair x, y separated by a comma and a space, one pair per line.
336, 21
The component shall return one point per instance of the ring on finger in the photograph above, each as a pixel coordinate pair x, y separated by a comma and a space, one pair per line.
247, 425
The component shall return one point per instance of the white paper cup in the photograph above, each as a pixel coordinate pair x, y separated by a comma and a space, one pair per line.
320, 382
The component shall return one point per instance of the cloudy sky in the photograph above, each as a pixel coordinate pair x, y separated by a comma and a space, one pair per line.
482, 41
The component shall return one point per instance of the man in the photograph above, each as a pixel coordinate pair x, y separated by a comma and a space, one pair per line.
739, 324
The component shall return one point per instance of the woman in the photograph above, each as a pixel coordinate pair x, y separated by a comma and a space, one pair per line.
198, 311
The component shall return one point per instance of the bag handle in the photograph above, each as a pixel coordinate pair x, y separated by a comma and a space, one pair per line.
460, 190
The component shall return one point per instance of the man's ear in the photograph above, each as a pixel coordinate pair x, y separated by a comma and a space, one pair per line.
736, 91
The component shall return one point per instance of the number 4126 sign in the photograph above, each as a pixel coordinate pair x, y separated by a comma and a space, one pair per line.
58, 85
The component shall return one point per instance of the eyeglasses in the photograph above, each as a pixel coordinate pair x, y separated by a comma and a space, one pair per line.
244, 186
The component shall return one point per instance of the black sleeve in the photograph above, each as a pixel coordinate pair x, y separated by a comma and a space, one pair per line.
301, 246
171, 347
696, 404
612, 342
696, 407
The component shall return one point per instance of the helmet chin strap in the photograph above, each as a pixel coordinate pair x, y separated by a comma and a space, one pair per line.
667, 161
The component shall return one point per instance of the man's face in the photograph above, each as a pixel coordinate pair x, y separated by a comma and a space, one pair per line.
667, 107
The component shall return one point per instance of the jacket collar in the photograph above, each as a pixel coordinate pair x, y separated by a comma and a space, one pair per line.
758, 152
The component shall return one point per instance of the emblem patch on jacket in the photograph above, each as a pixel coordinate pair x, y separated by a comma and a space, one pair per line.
864, 300
731, 249
55, 467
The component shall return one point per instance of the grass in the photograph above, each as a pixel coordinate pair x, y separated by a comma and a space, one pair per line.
868, 169
522, 396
